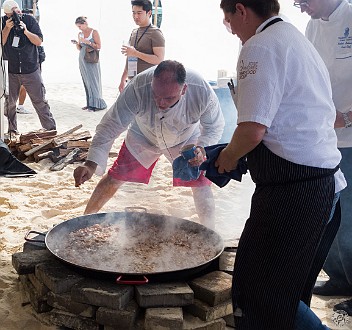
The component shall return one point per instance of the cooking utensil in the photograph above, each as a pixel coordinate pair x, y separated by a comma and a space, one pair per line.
136, 227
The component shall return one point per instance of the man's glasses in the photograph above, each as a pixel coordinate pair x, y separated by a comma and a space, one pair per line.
302, 4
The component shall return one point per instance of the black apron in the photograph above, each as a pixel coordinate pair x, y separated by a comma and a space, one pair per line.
290, 208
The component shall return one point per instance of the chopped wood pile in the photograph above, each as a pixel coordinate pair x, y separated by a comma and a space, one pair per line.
62, 149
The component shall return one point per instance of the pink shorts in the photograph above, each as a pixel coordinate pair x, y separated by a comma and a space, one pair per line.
127, 168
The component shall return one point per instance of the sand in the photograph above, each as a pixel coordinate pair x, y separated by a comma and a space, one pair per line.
49, 198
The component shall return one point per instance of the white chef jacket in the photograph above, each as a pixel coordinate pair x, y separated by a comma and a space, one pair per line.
197, 118
333, 40
284, 85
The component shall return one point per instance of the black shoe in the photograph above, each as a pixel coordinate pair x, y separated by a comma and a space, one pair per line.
344, 306
328, 288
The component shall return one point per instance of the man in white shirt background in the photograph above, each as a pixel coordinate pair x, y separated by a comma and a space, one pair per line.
330, 31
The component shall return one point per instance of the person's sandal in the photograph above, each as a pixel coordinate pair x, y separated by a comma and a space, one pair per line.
85, 108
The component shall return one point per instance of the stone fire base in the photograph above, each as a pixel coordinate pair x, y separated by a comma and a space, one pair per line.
68, 299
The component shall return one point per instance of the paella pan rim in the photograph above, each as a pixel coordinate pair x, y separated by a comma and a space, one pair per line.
81, 222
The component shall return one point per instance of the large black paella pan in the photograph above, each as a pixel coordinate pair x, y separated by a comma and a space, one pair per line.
135, 244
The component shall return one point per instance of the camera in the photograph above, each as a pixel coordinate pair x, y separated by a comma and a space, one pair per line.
16, 21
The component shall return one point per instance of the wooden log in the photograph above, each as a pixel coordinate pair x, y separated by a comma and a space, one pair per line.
72, 137
23, 147
37, 148
37, 142
69, 159
42, 155
40, 134
82, 144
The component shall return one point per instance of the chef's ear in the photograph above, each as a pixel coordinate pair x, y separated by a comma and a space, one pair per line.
184, 88
241, 9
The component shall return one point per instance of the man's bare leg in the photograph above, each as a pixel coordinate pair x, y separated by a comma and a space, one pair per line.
105, 189
205, 205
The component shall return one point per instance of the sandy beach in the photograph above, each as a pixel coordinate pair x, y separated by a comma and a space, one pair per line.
48, 198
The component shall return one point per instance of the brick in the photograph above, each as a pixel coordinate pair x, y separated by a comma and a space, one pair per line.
41, 288
139, 323
38, 302
120, 319
56, 276
102, 293
24, 262
64, 302
163, 318
164, 295
71, 321
191, 322
208, 313
30, 246
213, 288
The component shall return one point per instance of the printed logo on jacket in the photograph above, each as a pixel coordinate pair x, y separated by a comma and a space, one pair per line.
245, 70
345, 41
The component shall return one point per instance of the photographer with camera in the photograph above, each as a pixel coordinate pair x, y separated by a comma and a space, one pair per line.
21, 35
23, 93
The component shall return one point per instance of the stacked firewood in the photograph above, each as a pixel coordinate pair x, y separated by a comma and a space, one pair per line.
62, 149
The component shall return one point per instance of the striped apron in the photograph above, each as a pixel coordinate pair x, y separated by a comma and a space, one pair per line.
290, 208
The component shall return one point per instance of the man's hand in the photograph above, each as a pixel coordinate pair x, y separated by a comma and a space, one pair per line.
23, 26
9, 24
129, 51
200, 157
84, 173
226, 162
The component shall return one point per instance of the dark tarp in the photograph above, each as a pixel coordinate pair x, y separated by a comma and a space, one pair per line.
10, 165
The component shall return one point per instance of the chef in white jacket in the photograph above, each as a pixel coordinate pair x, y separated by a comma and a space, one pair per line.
163, 109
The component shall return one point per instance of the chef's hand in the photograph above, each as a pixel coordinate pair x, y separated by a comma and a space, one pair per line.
200, 157
226, 162
84, 172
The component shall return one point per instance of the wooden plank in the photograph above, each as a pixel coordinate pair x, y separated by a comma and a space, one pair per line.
38, 141
40, 134
42, 155
58, 141
78, 144
24, 147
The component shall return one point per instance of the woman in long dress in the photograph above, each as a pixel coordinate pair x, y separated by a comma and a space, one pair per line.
90, 72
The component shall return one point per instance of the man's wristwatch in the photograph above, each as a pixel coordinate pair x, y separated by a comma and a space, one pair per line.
347, 121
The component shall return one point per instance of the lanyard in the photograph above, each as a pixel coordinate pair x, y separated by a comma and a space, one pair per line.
136, 41
278, 19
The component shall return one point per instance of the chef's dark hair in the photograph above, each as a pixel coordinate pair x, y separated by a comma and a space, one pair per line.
263, 8
146, 4
174, 67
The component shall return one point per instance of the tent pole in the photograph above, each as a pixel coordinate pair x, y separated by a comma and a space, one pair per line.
156, 5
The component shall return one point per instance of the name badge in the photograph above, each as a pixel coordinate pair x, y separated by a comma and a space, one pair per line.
15, 41
132, 66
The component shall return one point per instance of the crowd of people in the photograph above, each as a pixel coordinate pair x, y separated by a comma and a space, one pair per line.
294, 130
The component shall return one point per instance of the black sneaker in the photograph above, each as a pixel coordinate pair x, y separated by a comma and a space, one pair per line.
344, 306
328, 288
